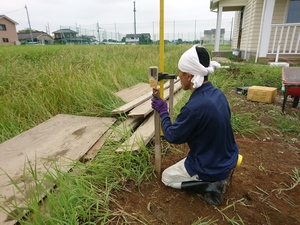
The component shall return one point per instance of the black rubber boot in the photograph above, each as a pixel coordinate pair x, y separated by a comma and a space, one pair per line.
212, 192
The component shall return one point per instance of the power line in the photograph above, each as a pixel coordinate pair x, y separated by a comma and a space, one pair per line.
13, 11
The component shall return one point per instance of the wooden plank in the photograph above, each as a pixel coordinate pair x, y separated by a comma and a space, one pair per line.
145, 108
142, 135
93, 151
128, 125
130, 105
61, 139
144, 132
133, 92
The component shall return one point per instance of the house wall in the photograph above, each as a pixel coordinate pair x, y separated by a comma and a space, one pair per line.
10, 32
210, 38
279, 17
130, 40
45, 39
280, 11
251, 28
236, 25
252, 23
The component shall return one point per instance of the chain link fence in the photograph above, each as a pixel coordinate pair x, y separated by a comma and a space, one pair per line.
187, 31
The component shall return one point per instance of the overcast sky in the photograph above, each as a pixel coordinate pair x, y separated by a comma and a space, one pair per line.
113, 15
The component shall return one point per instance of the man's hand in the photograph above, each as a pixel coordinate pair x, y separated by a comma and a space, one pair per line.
159, 105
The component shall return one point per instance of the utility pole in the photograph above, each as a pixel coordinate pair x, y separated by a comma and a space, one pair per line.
98, 32
116, 37
29, 24
48, 29
195, 38
173, 31
134, 19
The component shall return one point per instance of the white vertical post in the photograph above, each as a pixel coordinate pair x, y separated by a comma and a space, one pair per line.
277, 53
265, 34
218, 29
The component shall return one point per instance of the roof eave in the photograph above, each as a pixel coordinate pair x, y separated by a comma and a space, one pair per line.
9, 19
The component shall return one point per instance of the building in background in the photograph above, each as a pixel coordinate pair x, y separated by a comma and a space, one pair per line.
65, 36
210, 36
68, 36
37, 37
8, 32
135, 38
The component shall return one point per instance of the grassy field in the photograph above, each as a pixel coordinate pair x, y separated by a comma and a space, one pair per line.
39, 82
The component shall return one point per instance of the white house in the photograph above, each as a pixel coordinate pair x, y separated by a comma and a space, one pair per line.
262, 28
210, 36
39, 37
134, 38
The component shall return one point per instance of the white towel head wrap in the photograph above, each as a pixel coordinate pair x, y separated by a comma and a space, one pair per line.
189, 63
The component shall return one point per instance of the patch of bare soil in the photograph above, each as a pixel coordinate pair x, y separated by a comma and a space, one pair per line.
263, 190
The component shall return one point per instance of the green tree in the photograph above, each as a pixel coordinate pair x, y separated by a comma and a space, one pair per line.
145, 41
179, 41
27, 31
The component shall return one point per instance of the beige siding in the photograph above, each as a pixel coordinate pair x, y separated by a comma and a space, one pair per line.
252, 23
279, 17
280, 10
236, 25
10, 33
251, 29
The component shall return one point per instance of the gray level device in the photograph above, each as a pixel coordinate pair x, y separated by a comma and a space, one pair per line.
153, 76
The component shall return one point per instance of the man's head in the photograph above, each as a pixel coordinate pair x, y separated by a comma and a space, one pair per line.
194, 67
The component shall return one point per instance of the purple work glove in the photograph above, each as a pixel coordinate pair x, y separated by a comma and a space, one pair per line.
159, 105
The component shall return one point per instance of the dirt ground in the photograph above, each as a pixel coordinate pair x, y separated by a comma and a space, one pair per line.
263, 190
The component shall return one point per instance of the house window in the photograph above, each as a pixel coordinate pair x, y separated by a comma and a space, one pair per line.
2, 27
5, 40
293, 12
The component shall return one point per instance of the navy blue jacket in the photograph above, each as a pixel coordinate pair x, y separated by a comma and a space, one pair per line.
204, 123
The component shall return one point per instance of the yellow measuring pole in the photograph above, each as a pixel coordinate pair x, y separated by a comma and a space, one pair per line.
157, 148
161, 47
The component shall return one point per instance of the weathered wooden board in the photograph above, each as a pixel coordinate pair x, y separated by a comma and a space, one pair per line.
133, 92
144, 132
142, 135
130, 105
145, 108
60, 139
93, 151
126, 126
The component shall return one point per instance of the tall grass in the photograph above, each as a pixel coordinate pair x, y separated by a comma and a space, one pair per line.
38, 82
